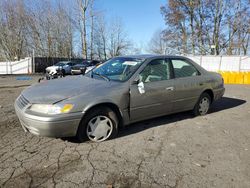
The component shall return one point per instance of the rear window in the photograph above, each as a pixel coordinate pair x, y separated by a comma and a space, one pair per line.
59, 64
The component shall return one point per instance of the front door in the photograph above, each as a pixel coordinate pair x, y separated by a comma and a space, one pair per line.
153, 95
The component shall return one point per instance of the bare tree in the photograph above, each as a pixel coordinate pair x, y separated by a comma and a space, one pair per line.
110, 39
92, 15
118, 40
84, 5
202, 24
13, 29
53, 30
101, 38
157, 43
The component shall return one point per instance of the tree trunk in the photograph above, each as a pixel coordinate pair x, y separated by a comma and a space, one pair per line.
91, 37
85, 51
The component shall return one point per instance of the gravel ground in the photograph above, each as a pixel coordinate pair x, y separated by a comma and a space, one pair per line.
172, 151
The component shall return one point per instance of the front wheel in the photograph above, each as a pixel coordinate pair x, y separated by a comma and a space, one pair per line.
98, 125
202, 106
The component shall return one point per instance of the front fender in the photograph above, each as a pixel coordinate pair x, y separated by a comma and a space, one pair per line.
98, 102
120, 103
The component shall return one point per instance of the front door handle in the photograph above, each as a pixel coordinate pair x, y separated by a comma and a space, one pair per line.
170, 88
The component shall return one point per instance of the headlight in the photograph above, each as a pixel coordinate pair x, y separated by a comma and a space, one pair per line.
51, 109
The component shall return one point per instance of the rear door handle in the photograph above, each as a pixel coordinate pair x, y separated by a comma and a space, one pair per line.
170, 88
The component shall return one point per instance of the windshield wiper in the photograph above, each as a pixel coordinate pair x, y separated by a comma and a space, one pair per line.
102, 76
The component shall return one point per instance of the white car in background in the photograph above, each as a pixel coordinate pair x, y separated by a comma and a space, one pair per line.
65, 67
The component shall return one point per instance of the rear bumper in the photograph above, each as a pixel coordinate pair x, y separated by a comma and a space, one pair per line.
218, 93
65, 125
76, 71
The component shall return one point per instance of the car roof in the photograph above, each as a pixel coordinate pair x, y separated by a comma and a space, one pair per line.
149, 56
64, 62
79, 64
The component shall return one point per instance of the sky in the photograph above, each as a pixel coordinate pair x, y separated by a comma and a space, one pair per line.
141, 18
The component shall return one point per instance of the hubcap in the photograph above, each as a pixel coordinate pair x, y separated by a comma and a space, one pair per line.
99, 128
204, 106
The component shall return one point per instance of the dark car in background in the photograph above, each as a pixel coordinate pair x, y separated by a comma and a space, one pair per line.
84, 66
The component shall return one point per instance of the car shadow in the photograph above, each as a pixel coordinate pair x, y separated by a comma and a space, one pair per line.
223, 104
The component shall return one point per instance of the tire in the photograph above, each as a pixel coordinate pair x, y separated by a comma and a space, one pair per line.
202, 106
63, 73
89, 128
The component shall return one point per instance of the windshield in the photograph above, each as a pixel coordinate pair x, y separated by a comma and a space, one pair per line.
118, 69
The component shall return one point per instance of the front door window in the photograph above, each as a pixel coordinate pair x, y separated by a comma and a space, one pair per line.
156, 70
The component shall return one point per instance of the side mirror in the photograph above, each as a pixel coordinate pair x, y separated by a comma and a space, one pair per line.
141, 87
136, 81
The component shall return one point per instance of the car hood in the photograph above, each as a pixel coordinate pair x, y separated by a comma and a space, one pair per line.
53, 91
89, 69
52, 68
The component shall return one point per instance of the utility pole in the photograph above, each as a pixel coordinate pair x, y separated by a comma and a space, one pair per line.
33, 61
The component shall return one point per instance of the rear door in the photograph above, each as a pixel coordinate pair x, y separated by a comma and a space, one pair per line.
188, 84
153, 95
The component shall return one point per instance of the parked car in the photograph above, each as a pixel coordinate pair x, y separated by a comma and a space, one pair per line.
84, 67
119, 92
63, 66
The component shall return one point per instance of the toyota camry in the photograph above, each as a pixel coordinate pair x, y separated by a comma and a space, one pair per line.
119, 92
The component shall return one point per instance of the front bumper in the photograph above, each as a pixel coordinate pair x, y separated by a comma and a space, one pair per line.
64, 125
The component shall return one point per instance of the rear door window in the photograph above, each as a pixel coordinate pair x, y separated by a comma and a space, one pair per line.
183, 68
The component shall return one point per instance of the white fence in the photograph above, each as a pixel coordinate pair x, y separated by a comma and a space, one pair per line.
24, 66
210, 63
223, 63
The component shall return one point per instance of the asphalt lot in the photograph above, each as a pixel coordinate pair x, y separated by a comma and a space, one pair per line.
172, 151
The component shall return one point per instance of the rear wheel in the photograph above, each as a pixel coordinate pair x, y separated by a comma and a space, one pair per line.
98, 125
202, 106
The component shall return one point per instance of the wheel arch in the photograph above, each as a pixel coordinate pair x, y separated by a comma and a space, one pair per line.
110, 105
210, 93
